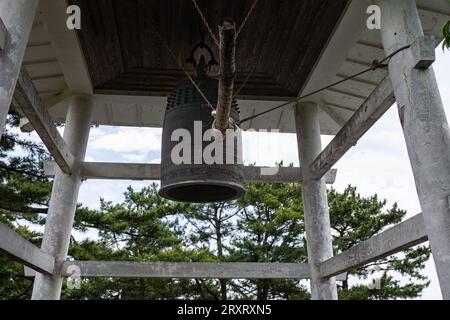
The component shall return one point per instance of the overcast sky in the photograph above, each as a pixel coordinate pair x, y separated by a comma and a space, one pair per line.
377, 164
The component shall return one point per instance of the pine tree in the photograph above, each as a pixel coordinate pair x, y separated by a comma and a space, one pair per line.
24, 196
355, 219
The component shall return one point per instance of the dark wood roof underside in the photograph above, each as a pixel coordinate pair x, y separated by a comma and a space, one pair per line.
283, 39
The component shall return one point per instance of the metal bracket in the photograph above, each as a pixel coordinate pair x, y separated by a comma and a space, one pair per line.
423, 52
3, 35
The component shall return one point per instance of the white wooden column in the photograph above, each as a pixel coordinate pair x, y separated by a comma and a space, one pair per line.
425, 128
315, 202
17, 17
64, 197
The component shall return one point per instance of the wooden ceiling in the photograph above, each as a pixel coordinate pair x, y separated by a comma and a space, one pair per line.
281, 41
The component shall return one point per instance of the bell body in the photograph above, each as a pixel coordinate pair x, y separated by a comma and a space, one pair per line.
197, 164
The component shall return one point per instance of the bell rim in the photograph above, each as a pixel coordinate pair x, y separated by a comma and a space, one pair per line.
237, 187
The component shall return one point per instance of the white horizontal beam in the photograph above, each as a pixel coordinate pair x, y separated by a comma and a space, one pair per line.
23, 251
186, 270
381, 99
192, 270
29, 101
398, 238
134, 171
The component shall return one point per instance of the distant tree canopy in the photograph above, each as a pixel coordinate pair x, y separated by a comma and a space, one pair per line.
266, 225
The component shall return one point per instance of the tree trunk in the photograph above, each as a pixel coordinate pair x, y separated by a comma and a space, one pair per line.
218, 227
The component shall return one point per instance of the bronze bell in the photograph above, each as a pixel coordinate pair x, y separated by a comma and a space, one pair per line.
188, 173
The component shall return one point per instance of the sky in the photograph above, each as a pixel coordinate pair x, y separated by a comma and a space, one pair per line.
378, 164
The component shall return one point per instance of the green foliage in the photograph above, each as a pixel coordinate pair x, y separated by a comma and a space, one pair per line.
446, 33
355, 219
13, 284
272, 230
24, 191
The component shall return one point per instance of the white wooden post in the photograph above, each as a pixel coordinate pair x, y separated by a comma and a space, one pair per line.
315, 203
425, 128
17, 17
64, 197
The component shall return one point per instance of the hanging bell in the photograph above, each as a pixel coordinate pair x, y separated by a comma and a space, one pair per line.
199, 164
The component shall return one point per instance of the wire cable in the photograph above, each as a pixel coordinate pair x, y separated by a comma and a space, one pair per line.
164, 42
249, 13
375, 65
205, 22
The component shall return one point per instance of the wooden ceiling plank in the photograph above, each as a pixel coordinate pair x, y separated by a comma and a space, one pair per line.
124, 29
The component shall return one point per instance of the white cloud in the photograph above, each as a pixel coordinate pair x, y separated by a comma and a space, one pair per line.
127, 140
92, 190
135, 157
133, 144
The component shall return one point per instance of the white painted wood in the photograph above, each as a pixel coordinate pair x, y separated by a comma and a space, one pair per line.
343, 98
38, 32
343, 39
371, 110
226, 270
355, 86
41, 70
340, 121
66, 46
398, 238
425, 127
3, 35
187, 270
63, 201
32, 106
23, 251
315, 203
366, 53
17, 16
350, 67
39, 53
140, 171
49, 83
423, 52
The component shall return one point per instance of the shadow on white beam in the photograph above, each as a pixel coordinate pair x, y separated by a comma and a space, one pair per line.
23, 251
130, 171
28, 100
398, 238
187, 270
